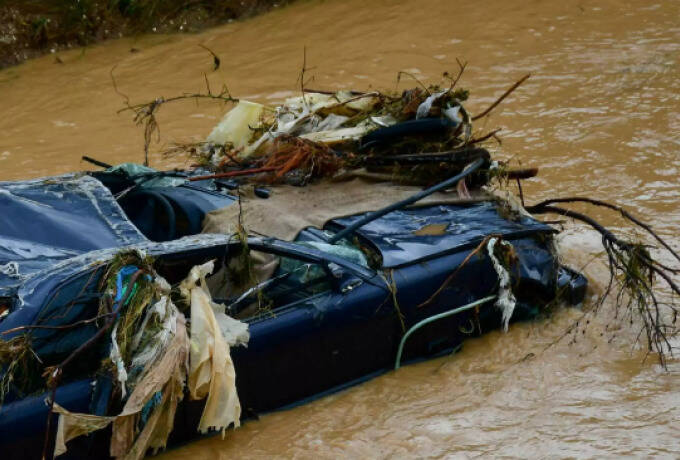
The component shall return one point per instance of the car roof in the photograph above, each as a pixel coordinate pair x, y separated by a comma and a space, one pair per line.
52, 219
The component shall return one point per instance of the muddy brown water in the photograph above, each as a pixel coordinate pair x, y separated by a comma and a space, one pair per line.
600, 116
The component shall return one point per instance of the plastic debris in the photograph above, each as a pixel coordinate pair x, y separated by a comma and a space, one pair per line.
146, 177
425, 107
10, 269
357, 129
165, 376
163, 361
117, 360
72, 425
506, 299
212, 372
235, 126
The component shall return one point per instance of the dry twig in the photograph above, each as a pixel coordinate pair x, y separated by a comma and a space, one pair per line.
145, 113
503, 96
216, 58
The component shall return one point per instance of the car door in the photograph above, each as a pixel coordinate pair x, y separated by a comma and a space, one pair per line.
326, 328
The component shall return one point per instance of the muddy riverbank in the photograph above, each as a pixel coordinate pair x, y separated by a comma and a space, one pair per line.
30, 28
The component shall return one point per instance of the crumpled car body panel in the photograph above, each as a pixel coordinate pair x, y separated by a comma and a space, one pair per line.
56, 218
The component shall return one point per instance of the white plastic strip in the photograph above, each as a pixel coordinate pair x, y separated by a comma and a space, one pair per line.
506, 299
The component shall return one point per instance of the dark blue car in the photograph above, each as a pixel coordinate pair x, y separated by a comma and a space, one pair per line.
336, 314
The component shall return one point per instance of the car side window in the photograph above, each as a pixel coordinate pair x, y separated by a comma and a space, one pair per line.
299, 279
263, 283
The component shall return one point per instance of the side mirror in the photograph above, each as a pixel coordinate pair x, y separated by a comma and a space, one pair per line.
335, 270
341, 282
336, 274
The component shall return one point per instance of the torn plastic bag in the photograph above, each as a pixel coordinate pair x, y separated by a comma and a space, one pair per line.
165, 376
146, 177
211, 371
71, 425
235, 126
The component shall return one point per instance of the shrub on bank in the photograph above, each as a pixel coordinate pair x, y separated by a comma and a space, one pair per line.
32, 27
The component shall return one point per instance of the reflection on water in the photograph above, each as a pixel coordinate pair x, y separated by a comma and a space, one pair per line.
600, 116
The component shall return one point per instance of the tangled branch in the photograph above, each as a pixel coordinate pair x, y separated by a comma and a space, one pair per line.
632, 270
145, 113
53, 374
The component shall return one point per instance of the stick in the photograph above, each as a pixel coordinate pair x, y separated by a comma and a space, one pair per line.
500, 99
241, 172
101, 164
485, 137
66, 326
330, 93
450, 278
608, 235
636, 280
461, 69
519, 187
402, 72
526, 173
463, 157
145, 114
216, 59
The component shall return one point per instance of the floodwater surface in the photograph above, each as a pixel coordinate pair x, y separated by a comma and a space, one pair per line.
600, 116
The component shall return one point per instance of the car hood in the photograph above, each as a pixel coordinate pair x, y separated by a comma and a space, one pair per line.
419, 233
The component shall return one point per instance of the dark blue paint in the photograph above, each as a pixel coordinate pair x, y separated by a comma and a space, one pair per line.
50, 220
394, 234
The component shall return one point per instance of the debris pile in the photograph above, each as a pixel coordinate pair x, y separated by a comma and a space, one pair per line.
153, 357
420, 136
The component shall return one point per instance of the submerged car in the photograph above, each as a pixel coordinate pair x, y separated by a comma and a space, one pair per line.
336, 314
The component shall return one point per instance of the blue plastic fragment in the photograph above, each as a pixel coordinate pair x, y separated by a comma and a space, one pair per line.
124, 272
154, 401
